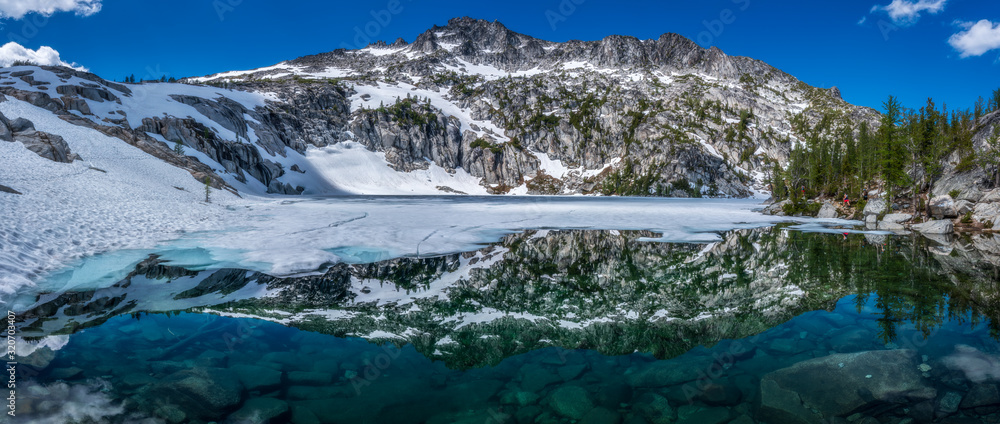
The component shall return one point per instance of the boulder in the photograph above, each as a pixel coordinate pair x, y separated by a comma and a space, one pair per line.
935, 227
572, 402
943, 207
981, 395
534, 377
570, 372
890, 226
257, 378
849, 382
309, 378
690, 414
897, 218
655, 409
776, 208
303, 415
949, 404
828, 211
669, 373
21, 125
206, 393
289, 361
871, 221
65, 373
851, 339
49, 146
601, 415
260, 411
519, 398
876, 207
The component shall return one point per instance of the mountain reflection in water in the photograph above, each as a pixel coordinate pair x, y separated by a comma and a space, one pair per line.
546, 326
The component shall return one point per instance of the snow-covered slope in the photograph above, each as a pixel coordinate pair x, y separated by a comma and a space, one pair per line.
117, 198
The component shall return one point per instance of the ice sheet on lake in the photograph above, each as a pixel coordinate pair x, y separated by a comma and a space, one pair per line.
289, 238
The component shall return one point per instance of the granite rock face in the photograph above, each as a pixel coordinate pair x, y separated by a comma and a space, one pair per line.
619, 115
48, 146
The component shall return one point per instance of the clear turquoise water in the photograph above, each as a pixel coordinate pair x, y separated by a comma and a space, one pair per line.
920, 322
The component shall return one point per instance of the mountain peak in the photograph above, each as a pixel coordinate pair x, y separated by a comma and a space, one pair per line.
472, 35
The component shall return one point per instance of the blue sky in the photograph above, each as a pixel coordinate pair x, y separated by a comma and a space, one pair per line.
868, 48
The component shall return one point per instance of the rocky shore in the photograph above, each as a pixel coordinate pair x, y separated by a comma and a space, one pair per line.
970, 210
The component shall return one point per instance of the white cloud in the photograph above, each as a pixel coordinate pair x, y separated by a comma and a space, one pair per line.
906, 12
45, 55
863, 20
978, 38
16, 9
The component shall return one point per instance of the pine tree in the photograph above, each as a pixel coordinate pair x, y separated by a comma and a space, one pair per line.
990, 159
208, 191
891, 145
179, 148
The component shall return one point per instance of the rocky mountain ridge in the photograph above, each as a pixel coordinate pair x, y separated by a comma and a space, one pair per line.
471, 107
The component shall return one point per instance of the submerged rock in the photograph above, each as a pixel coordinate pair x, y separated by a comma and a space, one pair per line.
65, 373
669, 373
982, 396
849, 382
655, 409
690, 414
257, 378
601, 415
949, 404
519, 398
207, 393
534, 377
572, 402
309, 378
260, 411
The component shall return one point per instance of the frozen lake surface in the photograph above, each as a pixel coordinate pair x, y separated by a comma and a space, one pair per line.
303, 236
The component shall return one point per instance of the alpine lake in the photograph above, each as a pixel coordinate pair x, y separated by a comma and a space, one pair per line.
766, 325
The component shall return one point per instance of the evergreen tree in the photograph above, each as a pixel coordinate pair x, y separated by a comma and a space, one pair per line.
208, 190
179, 148
990, 159
891, 149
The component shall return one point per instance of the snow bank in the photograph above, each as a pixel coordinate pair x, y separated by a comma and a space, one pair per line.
71, 211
